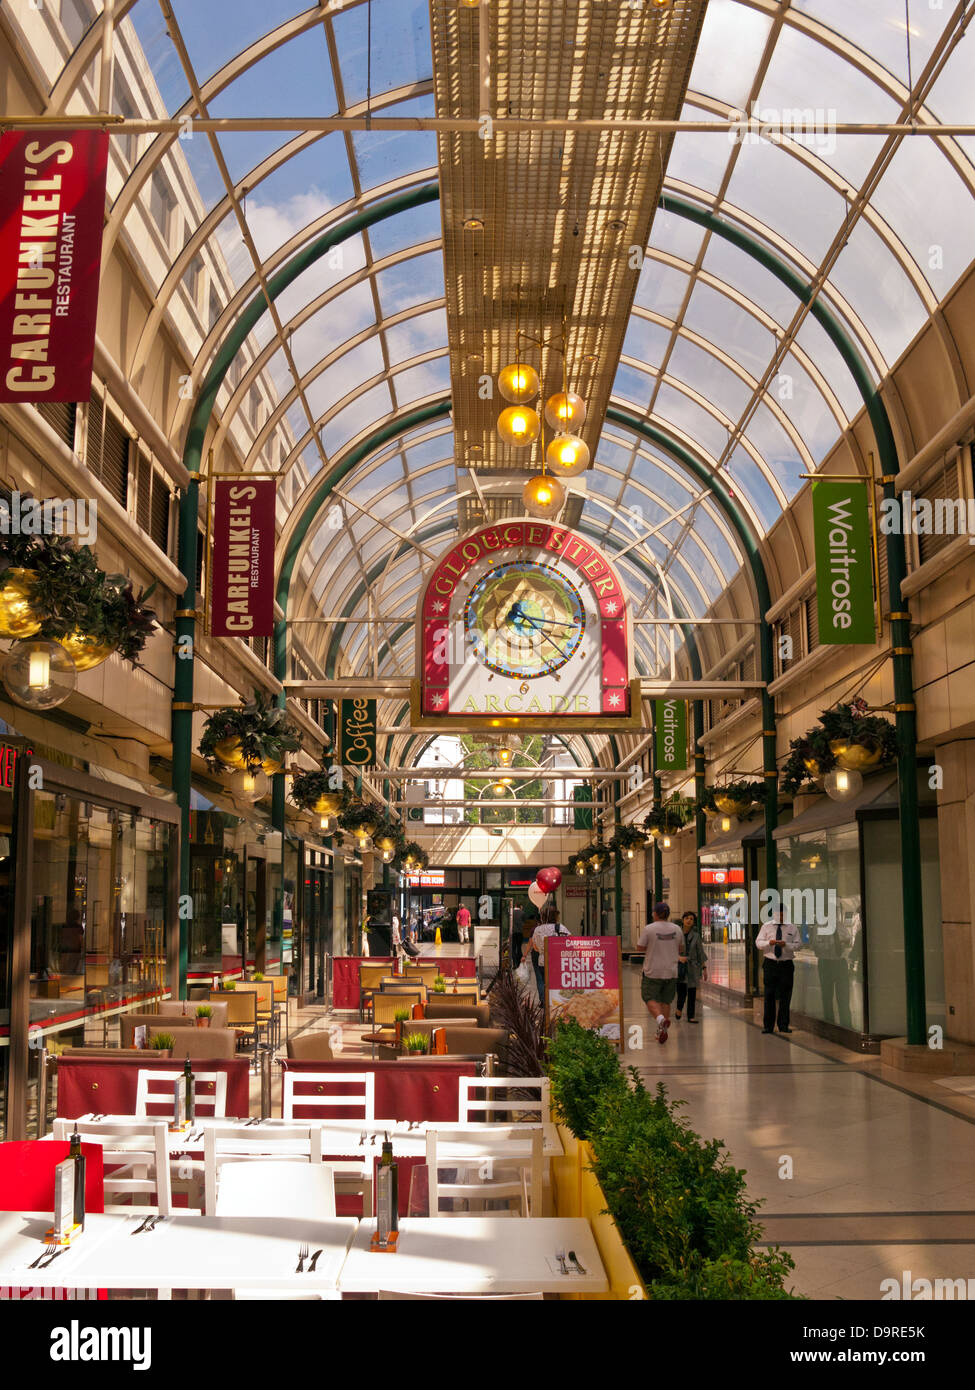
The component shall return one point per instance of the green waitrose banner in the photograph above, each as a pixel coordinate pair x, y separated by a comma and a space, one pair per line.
357, 733
844, 563
670, 723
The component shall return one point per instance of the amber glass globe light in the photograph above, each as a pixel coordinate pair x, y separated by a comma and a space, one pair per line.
543, 496
518, 383
565, 410
567, 455
249, 784
38, 674
519, 425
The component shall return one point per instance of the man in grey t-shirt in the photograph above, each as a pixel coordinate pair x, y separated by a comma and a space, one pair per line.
662, 942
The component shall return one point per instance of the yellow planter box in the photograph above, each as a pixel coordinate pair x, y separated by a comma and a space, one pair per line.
576, 1192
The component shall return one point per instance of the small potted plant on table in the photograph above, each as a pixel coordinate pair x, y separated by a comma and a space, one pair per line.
204, 1013
162, 1043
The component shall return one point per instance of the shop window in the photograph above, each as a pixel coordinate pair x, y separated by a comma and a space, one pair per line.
127, 145
812, 623
788, 653
76, 17
107, 446
162, 206
152, 502
944, 488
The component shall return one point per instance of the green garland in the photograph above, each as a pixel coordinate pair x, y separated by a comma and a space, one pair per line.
263, 730
74, 595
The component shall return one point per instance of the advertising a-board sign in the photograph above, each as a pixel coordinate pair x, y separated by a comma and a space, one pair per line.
583, 980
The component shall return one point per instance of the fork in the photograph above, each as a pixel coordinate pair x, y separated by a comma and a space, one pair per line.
302, 1257
49, 1249
59, 1250
560, 1256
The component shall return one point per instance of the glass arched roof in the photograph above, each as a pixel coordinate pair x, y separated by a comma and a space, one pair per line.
717, 352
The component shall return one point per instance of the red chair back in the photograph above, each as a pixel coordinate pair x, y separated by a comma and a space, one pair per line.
27, 1175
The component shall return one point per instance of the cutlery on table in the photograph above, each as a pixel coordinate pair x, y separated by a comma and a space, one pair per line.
52, 1257
314, 1262
139, 1229
362, 1139
560, 1256
49, 1249
573, 1257
302, 1257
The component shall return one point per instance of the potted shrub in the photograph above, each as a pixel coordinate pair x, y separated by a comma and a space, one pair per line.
258, 977
439, 985
228, 986
254, 735
204, 1013
162, 1043
316, 791
415, 1044
400, 1017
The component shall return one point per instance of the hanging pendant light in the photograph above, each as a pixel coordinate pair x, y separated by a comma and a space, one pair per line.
249, 784
519, 383
38, 674
543, 496
565, 411
567, 455
519, 425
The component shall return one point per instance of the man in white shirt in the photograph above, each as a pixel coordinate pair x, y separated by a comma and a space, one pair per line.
662, 942
778, 941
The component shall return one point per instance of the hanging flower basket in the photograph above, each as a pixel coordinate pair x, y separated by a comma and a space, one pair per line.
627, 840
667, 819
90, 613
737, 798
315, 791
411, 858
848, 737
248, 735
360, 817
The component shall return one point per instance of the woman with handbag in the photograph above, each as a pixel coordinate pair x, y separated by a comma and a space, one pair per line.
692, 966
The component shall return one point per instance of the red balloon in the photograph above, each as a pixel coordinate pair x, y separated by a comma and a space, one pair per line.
549, 879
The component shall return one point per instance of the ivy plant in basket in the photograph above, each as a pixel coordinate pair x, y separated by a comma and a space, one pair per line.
253, 735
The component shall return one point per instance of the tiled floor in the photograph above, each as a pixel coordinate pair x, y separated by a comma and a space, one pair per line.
863, 1174
860, 1179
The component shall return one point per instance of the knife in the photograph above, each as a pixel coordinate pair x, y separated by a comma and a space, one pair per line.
314, 1261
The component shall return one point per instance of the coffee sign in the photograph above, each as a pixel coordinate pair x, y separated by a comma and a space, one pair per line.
358, 732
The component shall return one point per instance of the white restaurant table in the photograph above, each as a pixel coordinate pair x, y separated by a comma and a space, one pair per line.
183, 1252
476, 1255
341, 1137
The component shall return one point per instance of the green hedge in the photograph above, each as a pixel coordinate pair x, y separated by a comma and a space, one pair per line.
681, 1208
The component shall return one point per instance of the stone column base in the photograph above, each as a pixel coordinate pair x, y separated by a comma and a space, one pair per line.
951, 1059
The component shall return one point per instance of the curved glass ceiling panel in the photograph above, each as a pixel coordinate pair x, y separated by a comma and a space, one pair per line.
417, 335
781, 456
202, 163
699, 159
349, 314
366, 410
409, 228
661, 288
416, 281
632, 386
676, 235
718, 549
817, 344
805, 76
294, 79
427, 379
387, 154
646, 341
161, 57
747, 275
357, 365
773, 186
878, 27
307, 186
715, 317
742, 476
797, 395
878, 291
729, 51
692, 419
703, 372
930, 209
400, 51
212, 45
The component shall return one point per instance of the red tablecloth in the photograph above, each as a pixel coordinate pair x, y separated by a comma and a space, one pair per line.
404, 1090
107, 1085
345, 974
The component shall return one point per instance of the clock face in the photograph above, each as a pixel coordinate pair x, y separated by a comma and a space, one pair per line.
524, 619
519, 624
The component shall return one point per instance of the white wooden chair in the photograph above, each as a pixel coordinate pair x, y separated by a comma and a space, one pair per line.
324, 1097
161, 1094
136, 1151
496, 1103
489, 1165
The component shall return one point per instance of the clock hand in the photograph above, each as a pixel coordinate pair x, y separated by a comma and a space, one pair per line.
562, 654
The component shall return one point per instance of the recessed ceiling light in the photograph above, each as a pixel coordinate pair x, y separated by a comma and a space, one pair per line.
591, 357
474, 356
475, 449
617, 224
473, 224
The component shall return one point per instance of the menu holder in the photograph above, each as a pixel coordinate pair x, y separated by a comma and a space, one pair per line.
63, 1229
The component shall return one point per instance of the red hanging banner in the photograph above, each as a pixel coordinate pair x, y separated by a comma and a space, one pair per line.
52, 210
242, 568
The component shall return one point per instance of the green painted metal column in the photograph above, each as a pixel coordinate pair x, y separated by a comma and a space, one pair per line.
182, 721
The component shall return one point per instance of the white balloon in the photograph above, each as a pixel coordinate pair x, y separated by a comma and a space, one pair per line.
537, 895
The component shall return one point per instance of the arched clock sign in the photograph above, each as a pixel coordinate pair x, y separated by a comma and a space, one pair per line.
521, 624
